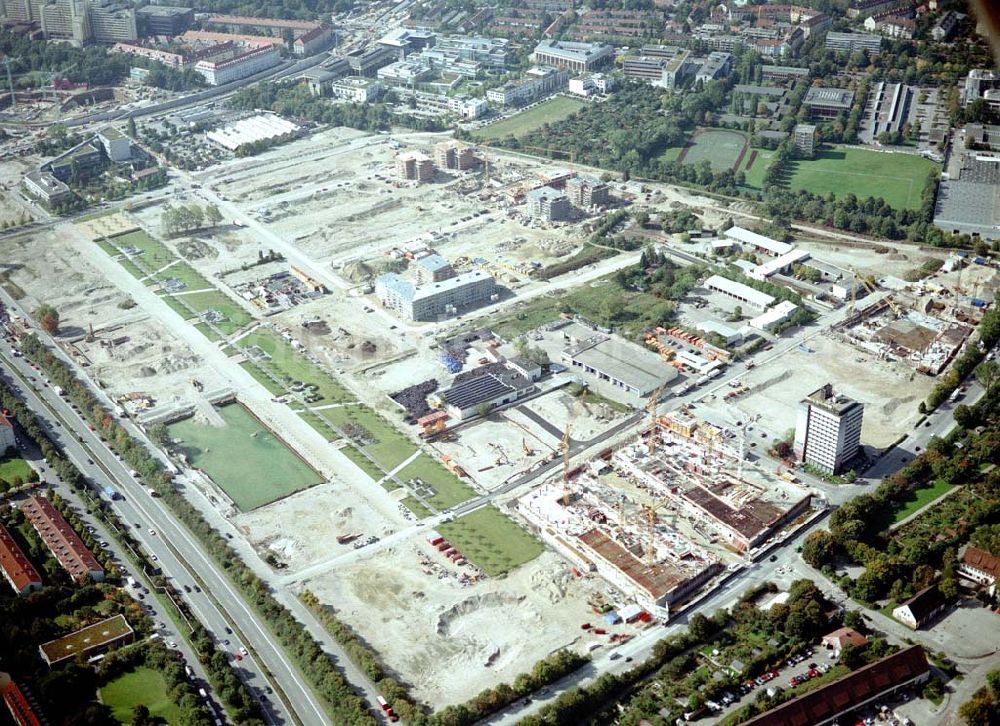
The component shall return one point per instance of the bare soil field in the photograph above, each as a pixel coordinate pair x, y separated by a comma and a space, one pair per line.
488, 632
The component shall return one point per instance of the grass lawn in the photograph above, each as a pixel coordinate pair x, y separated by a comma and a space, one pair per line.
922, 497
288, 363
263, 378
9, 468
154, 254
897, 178
671, 153
192, 279
755, 174
492, 541
389, 447
143, 686
372, 470
585, 300
243, 457
720, 147
236, 317
521, 124
449, 490
416, 507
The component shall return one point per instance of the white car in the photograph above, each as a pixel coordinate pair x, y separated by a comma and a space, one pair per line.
243, 651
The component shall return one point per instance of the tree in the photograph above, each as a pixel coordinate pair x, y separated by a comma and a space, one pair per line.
132, 130
964, 416
140, 715
819, 548
483, 409
933, 690
212, 215
852, 656
988, 373
700, 627
48, 317
612, 308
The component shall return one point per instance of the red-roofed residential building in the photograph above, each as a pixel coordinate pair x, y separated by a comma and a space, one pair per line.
18, 705
16, 568
844, 636
64, 543
855, 690
7, 439
980, 567
313, 41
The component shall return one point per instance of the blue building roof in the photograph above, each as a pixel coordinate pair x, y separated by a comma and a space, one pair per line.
398, 285
432, 263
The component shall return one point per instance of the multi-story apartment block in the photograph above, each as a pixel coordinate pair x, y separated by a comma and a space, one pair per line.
850, 42
538, 81
828, 430
548, 205
437, 299
587, 190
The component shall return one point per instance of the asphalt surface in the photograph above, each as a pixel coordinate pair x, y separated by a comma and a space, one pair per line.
179, 555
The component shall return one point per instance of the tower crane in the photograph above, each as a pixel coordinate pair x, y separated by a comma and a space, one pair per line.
651, 407
564, 445
649, 516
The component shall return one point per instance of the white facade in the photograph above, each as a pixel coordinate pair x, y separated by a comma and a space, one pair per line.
744, 294
217, 73
828, 430
356, 90
758, 241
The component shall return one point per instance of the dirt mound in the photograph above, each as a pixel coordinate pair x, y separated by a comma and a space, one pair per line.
358, 271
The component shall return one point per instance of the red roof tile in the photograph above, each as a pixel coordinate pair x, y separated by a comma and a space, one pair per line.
842, 694
16, 567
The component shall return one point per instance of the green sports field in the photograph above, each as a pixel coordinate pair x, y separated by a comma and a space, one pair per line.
243, 457
521, 124
720, 147
143, 686
754, 166
897, 178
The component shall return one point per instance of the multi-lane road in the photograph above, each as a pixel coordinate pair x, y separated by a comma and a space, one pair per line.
215, 602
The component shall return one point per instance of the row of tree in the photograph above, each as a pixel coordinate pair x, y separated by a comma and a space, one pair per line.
187, 217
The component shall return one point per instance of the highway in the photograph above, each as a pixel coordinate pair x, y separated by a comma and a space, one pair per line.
180, 556
284, 70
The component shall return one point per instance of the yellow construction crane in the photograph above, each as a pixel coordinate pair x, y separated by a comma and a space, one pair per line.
651, 407
649, 516
528, 451
869, 282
